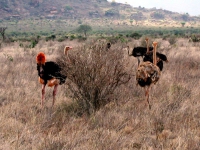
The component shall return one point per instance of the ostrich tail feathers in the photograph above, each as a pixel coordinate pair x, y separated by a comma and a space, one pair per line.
41, 58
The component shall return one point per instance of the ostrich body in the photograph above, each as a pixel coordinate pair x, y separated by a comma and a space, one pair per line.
140, 51
159, 59
49, 74
148, 73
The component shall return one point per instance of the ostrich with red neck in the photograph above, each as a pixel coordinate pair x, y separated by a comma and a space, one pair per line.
49, 73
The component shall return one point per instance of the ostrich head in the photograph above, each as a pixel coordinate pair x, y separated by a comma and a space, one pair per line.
66, 49
41, 58
154, 52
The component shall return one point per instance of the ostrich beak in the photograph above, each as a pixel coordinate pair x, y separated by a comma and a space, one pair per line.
70, 48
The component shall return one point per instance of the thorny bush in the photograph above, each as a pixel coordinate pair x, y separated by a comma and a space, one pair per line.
95, 73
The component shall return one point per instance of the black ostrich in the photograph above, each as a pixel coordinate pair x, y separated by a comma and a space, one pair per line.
49, 74
148, 73
108, 46
140, 51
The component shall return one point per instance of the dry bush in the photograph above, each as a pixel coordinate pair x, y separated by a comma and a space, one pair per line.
95, 74
172, 40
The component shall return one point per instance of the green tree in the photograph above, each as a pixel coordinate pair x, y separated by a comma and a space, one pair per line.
183, 24
111, 13
84, 29
131, 21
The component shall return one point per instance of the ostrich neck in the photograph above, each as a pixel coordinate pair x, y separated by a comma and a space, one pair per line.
147, 46
154, 55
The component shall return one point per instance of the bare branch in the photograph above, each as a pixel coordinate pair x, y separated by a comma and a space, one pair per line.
2, 32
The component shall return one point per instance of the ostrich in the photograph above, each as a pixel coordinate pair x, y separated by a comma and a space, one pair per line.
140, 51
148, 73
66, 51
108, 46
49, 74
159, 57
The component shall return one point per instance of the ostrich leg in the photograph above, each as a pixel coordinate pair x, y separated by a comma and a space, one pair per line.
43, 95
54, 94
147, 96
138, 61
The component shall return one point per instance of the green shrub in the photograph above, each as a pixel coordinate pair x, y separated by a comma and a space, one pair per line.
135, 35
157, 15
195, 39
172, 40
81, 38
52, 37
72, 37
111, 13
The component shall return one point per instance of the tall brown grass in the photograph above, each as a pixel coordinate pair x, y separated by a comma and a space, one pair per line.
125, 122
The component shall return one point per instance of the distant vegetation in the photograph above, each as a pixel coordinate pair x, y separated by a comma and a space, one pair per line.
87, 30
157, 15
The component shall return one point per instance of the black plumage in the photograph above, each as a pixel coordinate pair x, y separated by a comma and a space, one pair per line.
143, 82
50, 70
160, 58
140, 51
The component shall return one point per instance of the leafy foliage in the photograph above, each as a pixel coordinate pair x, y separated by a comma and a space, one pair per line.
194, 38
135, 35
111, 13
68, 8
157, 15
52, 37
84, 28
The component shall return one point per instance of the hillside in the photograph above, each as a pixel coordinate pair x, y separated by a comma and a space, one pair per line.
90, 10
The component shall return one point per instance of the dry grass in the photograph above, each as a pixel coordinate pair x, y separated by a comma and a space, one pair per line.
124, 123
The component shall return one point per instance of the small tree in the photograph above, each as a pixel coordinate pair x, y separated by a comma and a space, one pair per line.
131, 21
183, 24
84, 29
2, 31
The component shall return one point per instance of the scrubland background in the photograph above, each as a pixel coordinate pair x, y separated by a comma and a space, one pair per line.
124, 123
